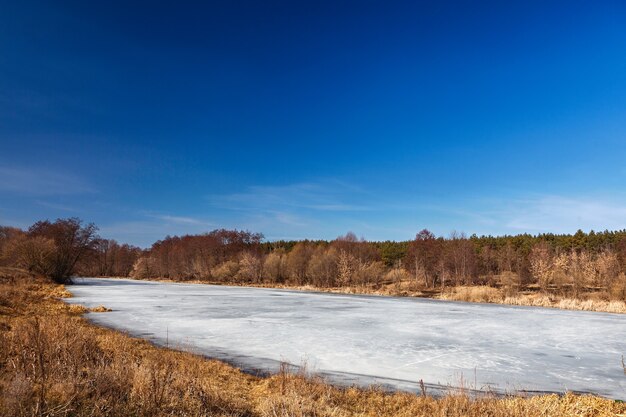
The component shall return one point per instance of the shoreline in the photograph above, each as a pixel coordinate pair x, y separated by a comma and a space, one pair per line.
264, 327
465, 294
134, 369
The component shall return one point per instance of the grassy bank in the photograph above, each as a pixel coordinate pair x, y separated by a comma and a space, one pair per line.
481, 294
54, 363
530, 297
484, 294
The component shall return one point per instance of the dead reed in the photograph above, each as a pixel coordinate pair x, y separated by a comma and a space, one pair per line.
486, 294
54, 363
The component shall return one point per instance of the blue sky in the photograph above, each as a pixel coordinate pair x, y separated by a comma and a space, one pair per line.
311, 119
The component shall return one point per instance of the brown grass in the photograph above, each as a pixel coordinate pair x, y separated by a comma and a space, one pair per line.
54, 363
477, 294
485, 294
397, 289
474, 294
99, 309
401, 289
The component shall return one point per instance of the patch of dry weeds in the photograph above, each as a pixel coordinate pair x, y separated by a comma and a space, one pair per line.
54, 363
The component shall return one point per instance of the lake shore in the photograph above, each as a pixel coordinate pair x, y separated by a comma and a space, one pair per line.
365, 339
472, 294
96, 371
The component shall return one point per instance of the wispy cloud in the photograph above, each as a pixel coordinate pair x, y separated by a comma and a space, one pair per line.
518, 213
315, 196
315, 210
55, 206
180, 219
559, 214
41, 182
303, 209
145, 232
289, 219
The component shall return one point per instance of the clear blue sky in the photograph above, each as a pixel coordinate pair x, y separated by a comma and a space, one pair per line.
310, 119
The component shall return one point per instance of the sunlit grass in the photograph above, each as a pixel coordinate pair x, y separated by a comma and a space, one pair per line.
54, 363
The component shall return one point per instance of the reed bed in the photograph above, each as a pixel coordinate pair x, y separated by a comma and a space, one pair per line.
55, 363
485, 294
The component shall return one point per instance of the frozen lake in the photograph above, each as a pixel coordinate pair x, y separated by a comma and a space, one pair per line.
393, 342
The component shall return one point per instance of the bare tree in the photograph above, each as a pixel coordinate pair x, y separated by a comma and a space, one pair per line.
275, 266
541, 265
35, 254
423, 257
462, 258
345, 267
72, 240
298, 261
322, 269
250, 267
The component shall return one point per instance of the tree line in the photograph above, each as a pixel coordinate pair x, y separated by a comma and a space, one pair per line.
65, 248
566, 263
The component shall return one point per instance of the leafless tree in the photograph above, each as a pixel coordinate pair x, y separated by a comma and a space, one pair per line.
72, 240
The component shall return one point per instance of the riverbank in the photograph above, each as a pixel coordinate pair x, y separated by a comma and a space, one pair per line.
54, 362
365, 340
529, 297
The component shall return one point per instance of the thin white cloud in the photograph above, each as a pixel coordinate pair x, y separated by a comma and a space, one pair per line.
55, 206
513, 215
145, 232
305, 209
314, 196
560, 214
290, 219
317, 210
180, 219
41, 182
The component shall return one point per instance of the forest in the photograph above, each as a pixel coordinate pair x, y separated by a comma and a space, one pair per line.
568, 265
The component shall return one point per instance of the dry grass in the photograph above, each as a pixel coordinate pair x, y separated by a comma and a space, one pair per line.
405, 288
99, 309
54, 363
296, 396
474, 294
568, 303
400, 289
485, 294
477, 294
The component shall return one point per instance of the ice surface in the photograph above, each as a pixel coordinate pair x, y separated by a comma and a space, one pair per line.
390, 341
